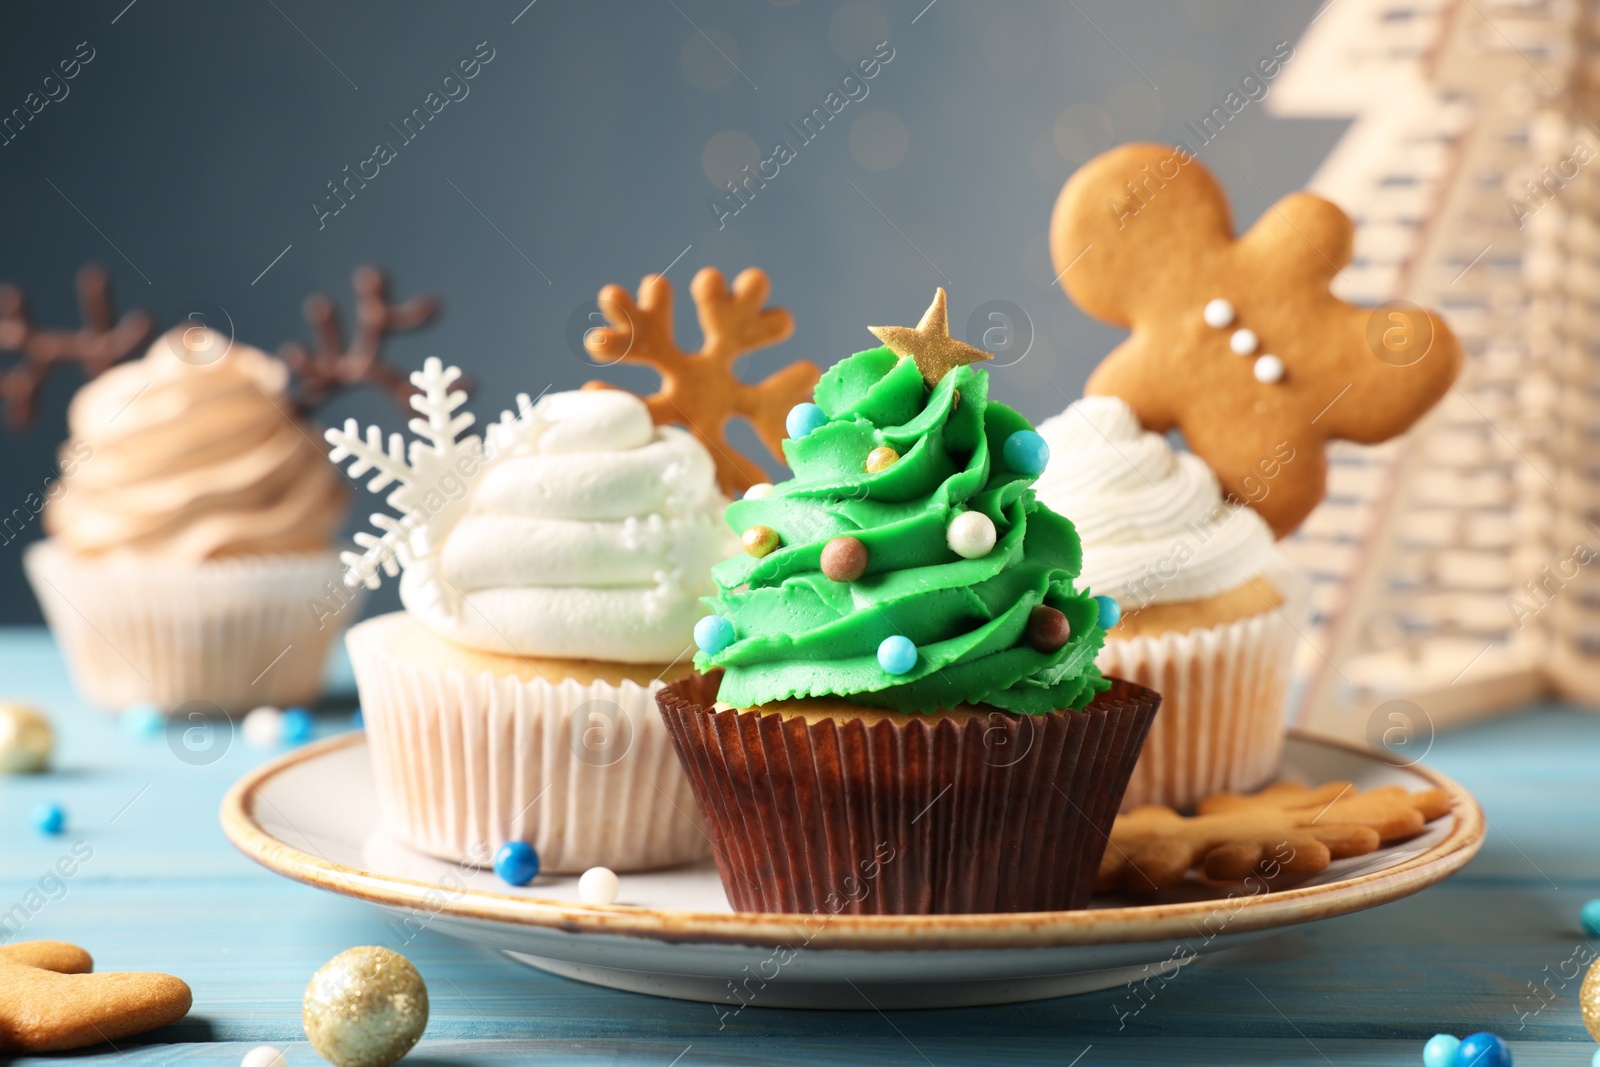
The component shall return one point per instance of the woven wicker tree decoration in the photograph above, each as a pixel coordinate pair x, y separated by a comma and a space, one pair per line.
700, 391
102, 340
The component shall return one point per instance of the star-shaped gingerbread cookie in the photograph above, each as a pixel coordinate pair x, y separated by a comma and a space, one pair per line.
1237, 341
929, 343
49, 1000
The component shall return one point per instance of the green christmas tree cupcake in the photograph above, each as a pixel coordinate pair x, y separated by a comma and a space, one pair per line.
901, 711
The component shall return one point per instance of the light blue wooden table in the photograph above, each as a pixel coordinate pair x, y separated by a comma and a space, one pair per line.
164, 891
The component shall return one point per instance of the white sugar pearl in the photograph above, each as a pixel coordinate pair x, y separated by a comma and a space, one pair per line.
759, 491
599, 885
263, 727
1243, 341
264, 1056
1269, 369
970, 535
1219, 313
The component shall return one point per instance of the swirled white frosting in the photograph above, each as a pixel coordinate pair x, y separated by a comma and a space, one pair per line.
1154, 526
590, 534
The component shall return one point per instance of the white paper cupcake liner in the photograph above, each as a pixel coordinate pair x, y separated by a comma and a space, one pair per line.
236, 633
467, 760
1224, 692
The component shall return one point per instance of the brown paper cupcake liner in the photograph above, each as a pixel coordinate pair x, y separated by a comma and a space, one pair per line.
907, 814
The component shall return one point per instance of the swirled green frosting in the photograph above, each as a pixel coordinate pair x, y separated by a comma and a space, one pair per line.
798, 633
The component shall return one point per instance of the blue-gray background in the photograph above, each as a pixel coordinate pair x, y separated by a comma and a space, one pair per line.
189, 151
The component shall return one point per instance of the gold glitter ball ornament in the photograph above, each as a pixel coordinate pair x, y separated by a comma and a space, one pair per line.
366, 1007
25, 738
881, 458
1589, 1000
760, 540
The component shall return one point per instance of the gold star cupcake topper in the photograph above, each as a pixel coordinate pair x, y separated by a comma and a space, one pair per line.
936, 353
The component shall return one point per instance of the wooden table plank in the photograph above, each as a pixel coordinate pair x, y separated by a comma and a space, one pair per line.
164, 891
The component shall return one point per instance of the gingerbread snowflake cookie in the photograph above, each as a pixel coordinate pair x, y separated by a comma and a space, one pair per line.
1285, 829
700, 391
50, 1001
1237, 341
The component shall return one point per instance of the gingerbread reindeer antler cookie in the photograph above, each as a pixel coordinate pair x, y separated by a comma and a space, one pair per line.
333, 365
700, 391
101, 341
1237, 341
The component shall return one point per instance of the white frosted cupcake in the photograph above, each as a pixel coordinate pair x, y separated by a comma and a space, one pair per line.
191, 536
552, 583
1208, 602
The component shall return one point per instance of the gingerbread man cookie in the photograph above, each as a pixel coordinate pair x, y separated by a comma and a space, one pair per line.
1237, 341
49, 1001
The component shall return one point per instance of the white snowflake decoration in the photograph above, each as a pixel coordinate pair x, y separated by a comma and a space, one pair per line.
508, 436
422, 475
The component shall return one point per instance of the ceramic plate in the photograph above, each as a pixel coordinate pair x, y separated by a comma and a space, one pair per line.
312, 815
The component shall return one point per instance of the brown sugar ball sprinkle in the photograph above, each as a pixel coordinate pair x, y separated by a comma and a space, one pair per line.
844, 559
1048, 629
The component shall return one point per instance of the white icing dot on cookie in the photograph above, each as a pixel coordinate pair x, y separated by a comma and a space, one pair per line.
1269, 369
1219, 313
1243, 341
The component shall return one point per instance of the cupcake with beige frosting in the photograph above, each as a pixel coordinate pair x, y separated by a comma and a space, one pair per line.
1207, 600
551, 582
195, 527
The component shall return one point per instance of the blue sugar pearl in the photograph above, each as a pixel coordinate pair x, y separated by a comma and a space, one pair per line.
712, 634
142, 721
297, 725
1589, 915
1110, 612
1482, 1049
516, 862
49, 818
803, 418
897, 654
1440, 1051
1026, 453
1595, 1061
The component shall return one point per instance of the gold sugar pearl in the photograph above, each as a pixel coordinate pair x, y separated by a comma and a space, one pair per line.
881, 458
760, 540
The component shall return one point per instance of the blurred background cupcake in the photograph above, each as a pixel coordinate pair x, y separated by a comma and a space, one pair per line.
902, 713
195, 525
189, 555
1209, 609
